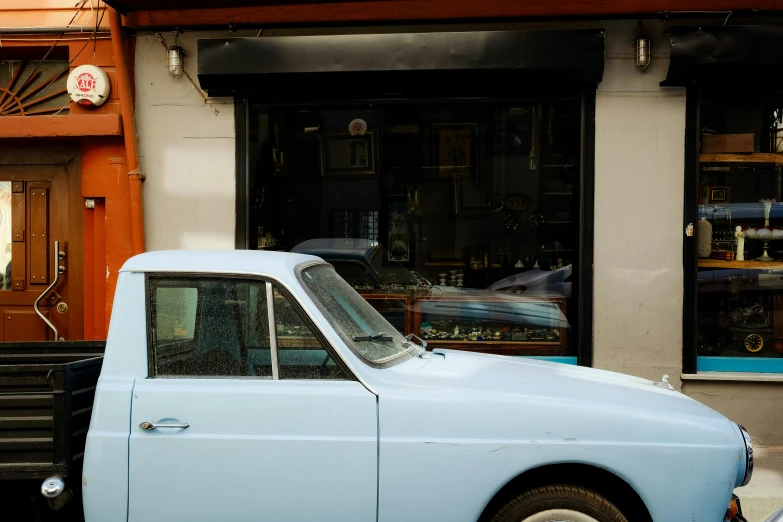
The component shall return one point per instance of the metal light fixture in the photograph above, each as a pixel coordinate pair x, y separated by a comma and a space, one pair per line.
176, 61
643, 49
643, 55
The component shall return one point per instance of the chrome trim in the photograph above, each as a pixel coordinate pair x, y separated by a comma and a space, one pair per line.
274, 280
777, 516
52, 487
748, 456
270, 312
152, 426
57, 272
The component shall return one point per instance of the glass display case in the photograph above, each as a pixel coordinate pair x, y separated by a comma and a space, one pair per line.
739, 232
395, 308
490, 321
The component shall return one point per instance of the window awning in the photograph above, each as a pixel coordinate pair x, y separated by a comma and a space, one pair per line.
377, 64
723, 56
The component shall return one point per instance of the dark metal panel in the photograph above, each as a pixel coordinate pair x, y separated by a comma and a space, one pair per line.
241, 233
689, 250
586, 231
45, 408
724, 55
390, 62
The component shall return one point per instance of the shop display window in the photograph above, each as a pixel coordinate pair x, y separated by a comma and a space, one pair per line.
446, 216
740, 236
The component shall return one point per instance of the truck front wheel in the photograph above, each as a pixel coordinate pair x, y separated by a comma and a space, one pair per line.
559, 503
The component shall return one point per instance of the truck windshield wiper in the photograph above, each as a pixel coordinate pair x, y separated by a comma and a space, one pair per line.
376, 337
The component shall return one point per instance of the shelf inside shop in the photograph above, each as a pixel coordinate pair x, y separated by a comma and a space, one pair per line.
758, 157
719, 263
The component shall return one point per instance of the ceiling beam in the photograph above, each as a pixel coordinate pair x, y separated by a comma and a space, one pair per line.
176, 14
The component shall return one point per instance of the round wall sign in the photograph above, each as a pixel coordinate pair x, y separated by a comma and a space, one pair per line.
357, 126
89, 86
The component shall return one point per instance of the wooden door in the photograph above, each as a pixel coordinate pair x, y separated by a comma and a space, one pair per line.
34, 213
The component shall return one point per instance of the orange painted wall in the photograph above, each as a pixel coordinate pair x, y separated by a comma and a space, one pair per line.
37, 13
107, 233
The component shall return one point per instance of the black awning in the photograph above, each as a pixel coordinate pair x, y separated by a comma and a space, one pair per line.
726, 56
399, 63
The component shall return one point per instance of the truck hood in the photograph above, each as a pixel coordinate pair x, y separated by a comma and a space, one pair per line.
502, 378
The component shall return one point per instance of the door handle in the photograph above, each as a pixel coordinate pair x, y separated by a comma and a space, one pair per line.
152, 426
58, 270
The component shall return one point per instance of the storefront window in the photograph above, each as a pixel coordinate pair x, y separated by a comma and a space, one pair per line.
459, 222
740, 236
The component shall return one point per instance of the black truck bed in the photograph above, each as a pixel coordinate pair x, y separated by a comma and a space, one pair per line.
46, 395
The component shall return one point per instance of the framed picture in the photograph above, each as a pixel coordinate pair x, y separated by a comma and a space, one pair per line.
398, 231
718, 194
346, 155
455, 150
469, 198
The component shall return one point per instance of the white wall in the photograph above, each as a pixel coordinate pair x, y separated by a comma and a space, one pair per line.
639, 176
187, 152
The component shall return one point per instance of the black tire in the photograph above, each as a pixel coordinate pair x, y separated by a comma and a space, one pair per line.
562, 497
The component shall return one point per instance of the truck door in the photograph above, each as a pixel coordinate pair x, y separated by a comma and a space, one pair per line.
246, 415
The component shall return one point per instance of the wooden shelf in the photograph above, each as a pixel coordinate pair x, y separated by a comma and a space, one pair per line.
742, 158
719, 263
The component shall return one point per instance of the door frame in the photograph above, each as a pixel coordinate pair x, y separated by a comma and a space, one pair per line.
66, 154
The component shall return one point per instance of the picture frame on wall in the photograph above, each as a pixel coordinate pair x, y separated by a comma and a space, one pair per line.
469, 199
718, 194
455, 150
399, 231
345, 155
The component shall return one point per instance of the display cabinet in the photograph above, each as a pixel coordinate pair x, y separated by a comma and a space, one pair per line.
488, 322
394, 307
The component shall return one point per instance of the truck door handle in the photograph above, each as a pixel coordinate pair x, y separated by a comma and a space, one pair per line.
153, 426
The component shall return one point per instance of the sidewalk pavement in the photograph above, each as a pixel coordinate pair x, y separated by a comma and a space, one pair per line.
764, 495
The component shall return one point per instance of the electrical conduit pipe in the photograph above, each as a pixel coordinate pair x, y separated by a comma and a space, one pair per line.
135, 175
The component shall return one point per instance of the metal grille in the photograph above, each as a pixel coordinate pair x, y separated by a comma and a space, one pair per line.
362, 224
33, 87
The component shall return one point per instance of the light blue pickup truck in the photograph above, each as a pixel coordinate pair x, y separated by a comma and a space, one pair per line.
246, 386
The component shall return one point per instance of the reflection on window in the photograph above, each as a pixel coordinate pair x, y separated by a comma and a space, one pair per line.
300, 352
740, 231
416, 202
5, 235
209, 328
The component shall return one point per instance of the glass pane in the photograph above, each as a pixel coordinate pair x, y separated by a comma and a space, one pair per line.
300, 352
215, 328
740, 228
413, 202
355, 318
176, 313
5, 235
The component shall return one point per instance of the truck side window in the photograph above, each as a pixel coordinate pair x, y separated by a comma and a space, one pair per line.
209, 328
300, 352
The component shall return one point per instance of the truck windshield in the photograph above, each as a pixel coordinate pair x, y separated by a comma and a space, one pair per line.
362, 328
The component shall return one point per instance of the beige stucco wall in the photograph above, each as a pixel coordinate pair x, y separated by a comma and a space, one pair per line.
187, 152
639, 151
755, 405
